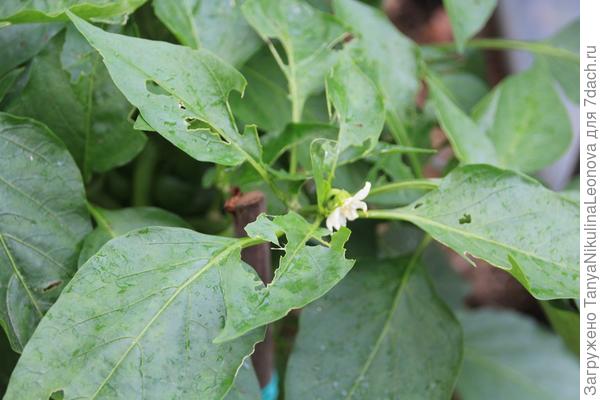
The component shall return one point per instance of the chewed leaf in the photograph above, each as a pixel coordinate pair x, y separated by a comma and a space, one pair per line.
180, 92
139, 317
305, 273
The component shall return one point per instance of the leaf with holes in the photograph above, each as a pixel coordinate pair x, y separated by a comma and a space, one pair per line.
43, 220
305, 273
183, 95
138, 319
113, 223
409, 347
17, 11
216, 25
308, 37
69, 75
506, 219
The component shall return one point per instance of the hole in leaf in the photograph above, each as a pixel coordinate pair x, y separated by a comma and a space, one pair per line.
195, 124
51, 285
155, 88
465, 219
57, 395
418, 205
181, 106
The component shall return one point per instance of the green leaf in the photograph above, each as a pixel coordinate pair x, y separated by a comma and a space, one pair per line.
305, 273
566, 72
81, 105
43, 219
216, 25
113, 223
506, 219
467, 18
296, 135
470, 143
526, 120
246, 384
138, 320
182, 93
323, 155
358, 106
8, 80
507, 356
381, 333
18, 11
564, 318
18, 43
386, 55
308, 37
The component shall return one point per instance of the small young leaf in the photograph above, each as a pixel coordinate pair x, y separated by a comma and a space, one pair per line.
308, 37
305, 273
381, 333
386, 55
507, 356
468, 17
138, 320
526, 120
323, 155
507, 219
42, 222
182, 93
81, 105
113, 223
470, 143
566, 72
17, 11
216, 25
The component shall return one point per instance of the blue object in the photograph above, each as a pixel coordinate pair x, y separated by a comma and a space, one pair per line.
271, 391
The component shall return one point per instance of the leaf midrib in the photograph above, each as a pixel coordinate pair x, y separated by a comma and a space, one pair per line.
217, 258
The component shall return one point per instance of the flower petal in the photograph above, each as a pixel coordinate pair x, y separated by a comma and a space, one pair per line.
363, 193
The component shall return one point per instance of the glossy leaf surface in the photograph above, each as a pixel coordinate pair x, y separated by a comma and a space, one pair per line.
381, 333
43, 220
507, 219
138, 320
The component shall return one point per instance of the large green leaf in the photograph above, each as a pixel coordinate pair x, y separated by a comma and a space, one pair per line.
19, 11
113, 223
470, 143
305, 273
507, 219
359, 108
387, 56
43, 219
381, 333
526, 120
468, 17
507, 356
307, 36
70, 91
181, 92
216, 25
138, 321
18, 43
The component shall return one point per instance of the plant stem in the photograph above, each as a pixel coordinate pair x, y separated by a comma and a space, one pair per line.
412, 184
401, 137
507, 44
143, 173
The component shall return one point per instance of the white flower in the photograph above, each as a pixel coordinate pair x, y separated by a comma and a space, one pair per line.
348, 211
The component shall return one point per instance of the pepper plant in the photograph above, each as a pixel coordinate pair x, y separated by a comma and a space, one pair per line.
124, 130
